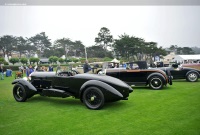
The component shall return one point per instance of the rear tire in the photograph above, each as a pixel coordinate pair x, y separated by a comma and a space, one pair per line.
192, 77
93, 98
156, 83
19, 93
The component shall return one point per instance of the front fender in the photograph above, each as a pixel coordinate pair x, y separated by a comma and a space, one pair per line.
25, 83
193, 71
100, 84
29, 88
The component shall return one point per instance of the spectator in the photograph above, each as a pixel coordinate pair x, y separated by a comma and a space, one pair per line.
50, 68
21, 69
116, 65
9, 72
1, 72
124, 65
29, 70
58, 69
86, 67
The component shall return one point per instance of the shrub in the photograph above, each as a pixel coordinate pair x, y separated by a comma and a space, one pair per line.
24, 60
5, 63
33, 60
53, 59
61, 60
13, 60
2, 60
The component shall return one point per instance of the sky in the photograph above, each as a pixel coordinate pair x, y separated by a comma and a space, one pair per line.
166, 25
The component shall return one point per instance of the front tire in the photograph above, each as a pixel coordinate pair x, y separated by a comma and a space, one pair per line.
93, 98
19, 93
192, 77
156, 83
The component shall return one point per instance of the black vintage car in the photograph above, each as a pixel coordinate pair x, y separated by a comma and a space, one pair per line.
136, 73
92, 90
178, 72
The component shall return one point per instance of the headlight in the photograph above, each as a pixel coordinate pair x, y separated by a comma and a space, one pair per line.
25, 78
101, 72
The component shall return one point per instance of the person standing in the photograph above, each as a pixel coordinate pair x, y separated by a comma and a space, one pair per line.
21, 69
29, 70
1, 72
50, 68
124, 65
86, 67
58, 69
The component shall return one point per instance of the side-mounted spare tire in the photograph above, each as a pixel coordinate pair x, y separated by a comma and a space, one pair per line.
156, 82
93, 98
19, 93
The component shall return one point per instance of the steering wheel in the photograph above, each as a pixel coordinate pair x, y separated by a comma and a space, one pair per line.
62, 74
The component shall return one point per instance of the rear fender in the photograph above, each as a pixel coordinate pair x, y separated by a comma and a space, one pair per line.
106, 88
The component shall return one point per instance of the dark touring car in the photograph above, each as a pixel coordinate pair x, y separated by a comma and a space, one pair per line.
188, 73
136, 73
92, 90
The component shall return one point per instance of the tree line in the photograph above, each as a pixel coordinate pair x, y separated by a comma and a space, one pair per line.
125, 47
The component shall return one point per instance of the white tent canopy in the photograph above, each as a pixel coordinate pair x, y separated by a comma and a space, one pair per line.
182, 58
115, 60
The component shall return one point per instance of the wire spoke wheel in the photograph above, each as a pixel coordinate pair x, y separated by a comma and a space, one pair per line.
192, 77
155, 83
93, 98
19, 93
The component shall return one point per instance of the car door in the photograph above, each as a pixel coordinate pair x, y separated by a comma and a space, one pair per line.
135, 76
62, 82
178, 73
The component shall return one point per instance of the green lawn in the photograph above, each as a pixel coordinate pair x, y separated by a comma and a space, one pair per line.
175, 110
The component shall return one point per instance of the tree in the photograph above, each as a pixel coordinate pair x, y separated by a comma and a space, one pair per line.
96, 51
63, 44
104, 38
13, 60
173, 48
134, 48
41, 42
24, 60
22, 45
77, 49
128, 46
7, 44
187, 50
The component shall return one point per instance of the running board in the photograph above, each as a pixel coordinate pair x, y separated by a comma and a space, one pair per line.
55, 93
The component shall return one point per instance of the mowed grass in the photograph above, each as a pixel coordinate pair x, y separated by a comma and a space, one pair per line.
175, 110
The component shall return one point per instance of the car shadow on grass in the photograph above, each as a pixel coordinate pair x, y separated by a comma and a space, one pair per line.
71, 102
55, 100
147, 88
184, 80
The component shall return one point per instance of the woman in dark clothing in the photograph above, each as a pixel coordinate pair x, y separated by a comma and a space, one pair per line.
86, 67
